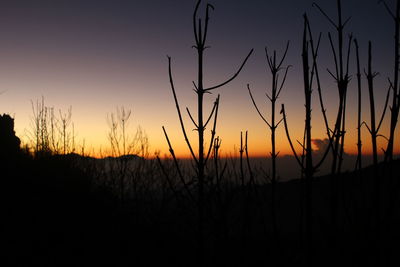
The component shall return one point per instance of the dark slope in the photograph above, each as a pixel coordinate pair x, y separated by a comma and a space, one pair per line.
55, 213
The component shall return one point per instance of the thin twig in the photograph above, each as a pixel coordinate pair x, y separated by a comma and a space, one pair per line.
179, 110
288, 136
171, 150
325, 15
384, 110
283, 81
388, 9
334, 57
212, 112
255, 105
213, 130
234, 76
194, 21
191, 118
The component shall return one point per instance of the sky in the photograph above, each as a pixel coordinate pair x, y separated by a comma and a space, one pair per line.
95, 56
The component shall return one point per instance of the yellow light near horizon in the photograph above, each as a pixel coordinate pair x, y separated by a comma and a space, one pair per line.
91, 130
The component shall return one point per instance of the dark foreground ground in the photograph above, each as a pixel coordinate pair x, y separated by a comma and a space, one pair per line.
56, 213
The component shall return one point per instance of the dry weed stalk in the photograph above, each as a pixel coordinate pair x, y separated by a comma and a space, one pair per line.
359, 144
342, 79
394, 84
305, 161
200, 158
374, 128
275, 66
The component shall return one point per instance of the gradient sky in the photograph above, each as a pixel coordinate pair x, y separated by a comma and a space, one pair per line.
96, 55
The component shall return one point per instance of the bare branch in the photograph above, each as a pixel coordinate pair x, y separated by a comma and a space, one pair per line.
269, 59
284, 55
384, 109
384, 137
195, 86
279, 122
206, 23
288, 137
315, 70
255, 105
333, 76
302, 146
212, 111
241, 150
334, 55
347, 20
213, 130
194, 22
276, 82
366, 125
283, 81
191, 118
251, 181
200, 45
390, 83
171, 150
359, 143
234, 76
388, 9
179, 110
318, 43
348, 54
325, 15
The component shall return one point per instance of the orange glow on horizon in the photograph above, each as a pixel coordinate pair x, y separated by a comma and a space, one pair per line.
258, 147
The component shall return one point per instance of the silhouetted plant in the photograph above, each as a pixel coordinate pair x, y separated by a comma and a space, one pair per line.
65, 119
241, 150
49, 134
276, 88
219, 187
200, 160
39, 135
373, 128
121, 143
374, 131
219, 173
394, 84
359, 144
245, 188
307, 166
342, 78
124, 147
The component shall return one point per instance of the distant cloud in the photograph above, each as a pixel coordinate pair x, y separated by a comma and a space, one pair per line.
320, 145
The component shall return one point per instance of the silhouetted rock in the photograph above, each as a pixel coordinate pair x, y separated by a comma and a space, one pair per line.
9, 142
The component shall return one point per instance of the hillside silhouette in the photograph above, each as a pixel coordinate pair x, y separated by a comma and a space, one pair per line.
58, 211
